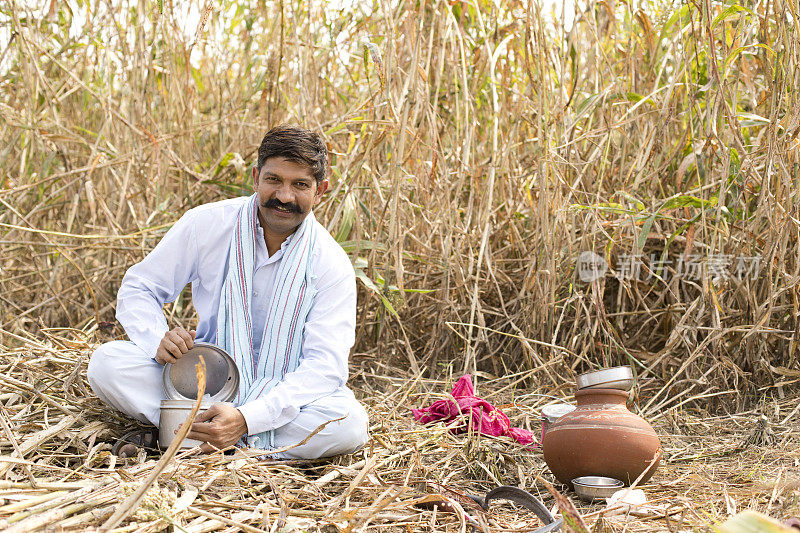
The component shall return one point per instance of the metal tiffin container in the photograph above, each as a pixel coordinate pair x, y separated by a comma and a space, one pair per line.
180, 388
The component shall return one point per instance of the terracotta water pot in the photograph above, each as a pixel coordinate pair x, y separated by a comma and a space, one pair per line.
601, 438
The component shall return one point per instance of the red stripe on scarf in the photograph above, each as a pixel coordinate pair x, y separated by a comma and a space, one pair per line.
283, 313
243, 290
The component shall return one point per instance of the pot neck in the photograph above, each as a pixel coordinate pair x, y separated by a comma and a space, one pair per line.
594, 396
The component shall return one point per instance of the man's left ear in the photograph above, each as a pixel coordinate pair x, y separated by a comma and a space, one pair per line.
322, 186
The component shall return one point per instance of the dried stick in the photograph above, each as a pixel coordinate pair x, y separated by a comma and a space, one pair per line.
15, 444
133, 500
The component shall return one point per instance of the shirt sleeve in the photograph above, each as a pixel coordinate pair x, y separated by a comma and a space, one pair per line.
158, 279
327, 338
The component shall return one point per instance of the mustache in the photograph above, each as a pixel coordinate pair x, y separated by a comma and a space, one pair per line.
274, 202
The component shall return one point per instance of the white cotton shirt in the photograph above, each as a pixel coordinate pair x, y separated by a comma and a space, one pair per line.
195, 250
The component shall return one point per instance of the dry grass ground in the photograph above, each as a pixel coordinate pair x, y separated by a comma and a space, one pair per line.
58, 472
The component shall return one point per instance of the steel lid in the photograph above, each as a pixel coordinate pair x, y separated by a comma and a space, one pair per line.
222, 376
618, 377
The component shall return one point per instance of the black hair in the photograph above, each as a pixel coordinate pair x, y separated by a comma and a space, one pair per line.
298, 145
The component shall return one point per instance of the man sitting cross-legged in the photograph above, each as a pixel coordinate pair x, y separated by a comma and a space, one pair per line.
273, 289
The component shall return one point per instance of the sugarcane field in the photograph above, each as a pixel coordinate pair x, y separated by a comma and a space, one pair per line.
493, 266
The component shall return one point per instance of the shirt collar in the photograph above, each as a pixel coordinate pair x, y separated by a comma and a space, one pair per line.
262, 254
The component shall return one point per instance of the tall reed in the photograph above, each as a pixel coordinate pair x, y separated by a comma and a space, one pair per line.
478, 149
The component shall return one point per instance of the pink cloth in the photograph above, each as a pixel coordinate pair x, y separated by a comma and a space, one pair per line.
484, 417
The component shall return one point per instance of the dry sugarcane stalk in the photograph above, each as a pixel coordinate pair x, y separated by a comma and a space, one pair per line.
133, 500
335, 502
13, 440
48, 485
228, 521
53, 515
82, 519
30, 502
51, 503
469, 182
37, 439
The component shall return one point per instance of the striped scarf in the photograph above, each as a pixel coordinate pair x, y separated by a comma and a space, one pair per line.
291, 300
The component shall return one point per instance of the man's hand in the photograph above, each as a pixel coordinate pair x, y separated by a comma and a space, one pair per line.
222, 425
174, 344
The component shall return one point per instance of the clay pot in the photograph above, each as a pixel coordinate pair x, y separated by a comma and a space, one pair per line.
601, 438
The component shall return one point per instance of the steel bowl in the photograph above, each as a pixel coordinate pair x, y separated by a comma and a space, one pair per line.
173, 414
618, 377
554, 411
590, 488
222, 376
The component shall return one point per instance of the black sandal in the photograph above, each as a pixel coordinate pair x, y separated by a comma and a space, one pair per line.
129, 444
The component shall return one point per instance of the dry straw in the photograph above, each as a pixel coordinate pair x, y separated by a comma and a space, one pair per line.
477, 150
61, 474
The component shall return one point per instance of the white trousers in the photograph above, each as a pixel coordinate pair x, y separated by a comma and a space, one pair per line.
126, 378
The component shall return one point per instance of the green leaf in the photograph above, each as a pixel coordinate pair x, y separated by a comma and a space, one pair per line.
648, 223
636, 97
334, 129
231, 159
237, 17
680, 14
679, 231
766, 47
686, 200
729, 12
749, 120
609, 207
348, 218
736, 51
752, 522
352, 246
635, 201
198, 79
418, 291
361, 275
587, 105
225, 160
735, 159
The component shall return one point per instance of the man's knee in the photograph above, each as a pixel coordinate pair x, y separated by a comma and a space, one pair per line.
98, 363
123, 376
350, 434
106, 360
353, 433
337, 437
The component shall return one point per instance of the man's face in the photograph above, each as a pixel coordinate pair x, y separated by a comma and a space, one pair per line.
286, 193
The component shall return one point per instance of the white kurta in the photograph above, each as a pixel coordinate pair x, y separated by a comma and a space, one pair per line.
195, 250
